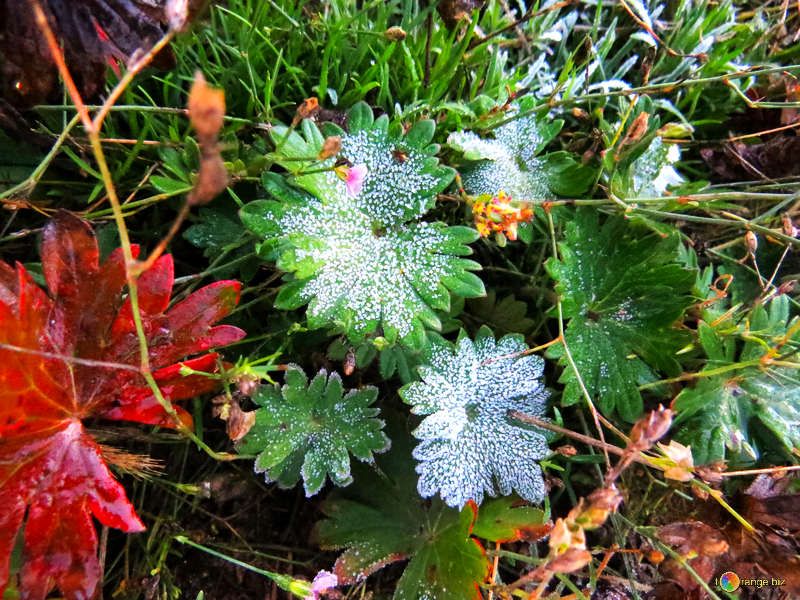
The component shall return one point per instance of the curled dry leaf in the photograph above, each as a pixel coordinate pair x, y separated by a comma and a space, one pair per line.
306, 110
207, 113
636, 131
651, 428
453, 12
570, 561
693, 538
69, 354
331, 147
395, 34
238, 422
206, 108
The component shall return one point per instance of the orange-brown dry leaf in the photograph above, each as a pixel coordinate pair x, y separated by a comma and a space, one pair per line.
331, 147
570, 561
693, 538
238, 422
636, 131
212, 178
207, 113
206, 108
307, 109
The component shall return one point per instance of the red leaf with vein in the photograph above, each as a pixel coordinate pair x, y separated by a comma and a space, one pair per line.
70, 355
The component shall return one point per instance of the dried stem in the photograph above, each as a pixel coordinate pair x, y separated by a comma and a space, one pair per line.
92, 128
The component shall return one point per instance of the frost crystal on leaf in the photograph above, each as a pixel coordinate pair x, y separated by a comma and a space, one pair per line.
309, 429
397, 186
363, 261
508, 162
653, 172
622, 288
469, 444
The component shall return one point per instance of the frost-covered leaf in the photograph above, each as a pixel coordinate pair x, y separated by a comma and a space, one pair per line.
507, 162
651, 173
622, 288
402, 177
360, 268
741, 413
381, 520
469, 445
310, 429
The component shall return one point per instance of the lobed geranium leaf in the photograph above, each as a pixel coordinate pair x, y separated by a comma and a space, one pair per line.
508, 162
74, 355
309, 430
740, 413
506, 315
622, 289
382, 520
469, 446
363, 261
403, 174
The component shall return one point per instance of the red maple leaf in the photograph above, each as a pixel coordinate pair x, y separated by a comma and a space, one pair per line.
73, 354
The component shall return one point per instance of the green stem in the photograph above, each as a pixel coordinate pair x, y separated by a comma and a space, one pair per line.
592, 409
284, 582
26, 186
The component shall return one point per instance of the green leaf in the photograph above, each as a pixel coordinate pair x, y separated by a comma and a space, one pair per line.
740, 413
509, 520
469, 446
309, 429
398, 360
219, 231
507, 315
622, 288
382, 520
360, 117
566, 176
215, 231
165, 185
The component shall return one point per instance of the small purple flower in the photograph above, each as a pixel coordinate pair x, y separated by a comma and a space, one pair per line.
323, 581
355, 179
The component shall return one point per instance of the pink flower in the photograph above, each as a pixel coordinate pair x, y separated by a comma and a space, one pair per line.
323, 581
353, 177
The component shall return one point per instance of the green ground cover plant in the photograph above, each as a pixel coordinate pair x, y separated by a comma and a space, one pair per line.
399, 299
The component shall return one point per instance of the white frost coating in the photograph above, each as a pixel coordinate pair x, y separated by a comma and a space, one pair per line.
367, 271
469, 445
360, 257
508, 162
653, 172
395, 188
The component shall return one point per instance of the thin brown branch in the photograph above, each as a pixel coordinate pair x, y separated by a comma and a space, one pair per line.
86, 362
58, 57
